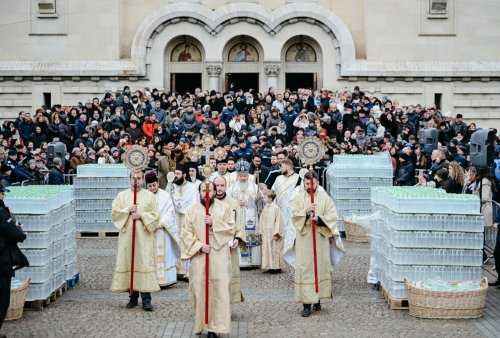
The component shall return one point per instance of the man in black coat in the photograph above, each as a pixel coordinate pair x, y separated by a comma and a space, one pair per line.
256, 165
56, 174
11, 258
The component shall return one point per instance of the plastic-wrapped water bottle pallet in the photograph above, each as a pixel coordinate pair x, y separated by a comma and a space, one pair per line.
40, 223
37, 274
115, 170
352, 204
70, 256
37, 240
89, 204
40, 296
96, 193
429, 221
381, 171
350, 193
89, 216
97, 234
451, 257
424, 272
358, 182
101, 226
395, 303
39, 257
101, 182
427, 239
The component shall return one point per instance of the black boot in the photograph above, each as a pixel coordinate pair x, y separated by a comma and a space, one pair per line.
495, 283
307, 310
134, 300
146, 301
317, 306
212, 335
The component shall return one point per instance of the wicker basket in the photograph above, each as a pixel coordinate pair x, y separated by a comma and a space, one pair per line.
446, 304
17, 299
355, 232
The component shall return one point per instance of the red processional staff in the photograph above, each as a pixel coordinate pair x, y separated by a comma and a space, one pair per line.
136, 159
311, 151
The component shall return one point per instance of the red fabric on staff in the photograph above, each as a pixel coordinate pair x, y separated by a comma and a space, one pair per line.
313, 223
207, 261
133, 247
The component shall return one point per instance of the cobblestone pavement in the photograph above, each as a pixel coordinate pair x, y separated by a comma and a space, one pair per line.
91, 310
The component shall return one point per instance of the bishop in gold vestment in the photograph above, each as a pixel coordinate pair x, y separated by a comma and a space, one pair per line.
221, 233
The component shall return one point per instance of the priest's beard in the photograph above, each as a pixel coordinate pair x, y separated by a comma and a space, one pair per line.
179, 181
221, 196
210, 199
243, 185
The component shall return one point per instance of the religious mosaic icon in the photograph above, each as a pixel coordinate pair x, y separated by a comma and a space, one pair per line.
136, 158
311, 151
300, 52
186, 52
243, 52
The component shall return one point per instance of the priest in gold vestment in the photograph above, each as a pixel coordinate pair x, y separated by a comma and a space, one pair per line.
145, 212
239, 237
194, 248
323, 211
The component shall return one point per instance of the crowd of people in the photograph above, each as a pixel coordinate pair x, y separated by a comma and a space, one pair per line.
258, 201
244, 124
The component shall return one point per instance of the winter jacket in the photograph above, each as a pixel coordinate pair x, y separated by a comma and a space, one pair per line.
11, 258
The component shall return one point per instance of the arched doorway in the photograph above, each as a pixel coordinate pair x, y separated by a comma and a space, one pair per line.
184, 68
302, 66
243, 57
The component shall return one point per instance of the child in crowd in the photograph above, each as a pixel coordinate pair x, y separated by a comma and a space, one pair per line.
272, 229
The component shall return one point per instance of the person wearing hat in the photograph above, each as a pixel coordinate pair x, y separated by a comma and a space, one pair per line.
167, 234
11, 258
405, 175
146, 216
247, 194
206, 126
184, 195
104, 156
222, 171
244, 151
458, 125
133, 130
194, 174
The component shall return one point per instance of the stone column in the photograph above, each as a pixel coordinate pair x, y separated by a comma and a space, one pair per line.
272, 70
213, 69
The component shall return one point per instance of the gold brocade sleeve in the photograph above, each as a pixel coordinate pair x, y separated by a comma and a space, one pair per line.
299, 214
329, 216
190, 244
223, 224
150, 215
120, 212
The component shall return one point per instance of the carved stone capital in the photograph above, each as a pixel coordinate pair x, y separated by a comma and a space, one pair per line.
213, 68
272, 68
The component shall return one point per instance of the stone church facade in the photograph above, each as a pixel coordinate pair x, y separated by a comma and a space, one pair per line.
419, 51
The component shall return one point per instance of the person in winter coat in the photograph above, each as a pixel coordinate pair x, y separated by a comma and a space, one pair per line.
37, 137
11, 258
150, 127
301, 121
405, 175
274, 119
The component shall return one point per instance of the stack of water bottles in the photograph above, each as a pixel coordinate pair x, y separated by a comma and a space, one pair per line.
349, 179
425, 235
96, 185
48, 215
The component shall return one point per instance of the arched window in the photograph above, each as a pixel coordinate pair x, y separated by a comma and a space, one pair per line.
186, 52
243, 52
300, 52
